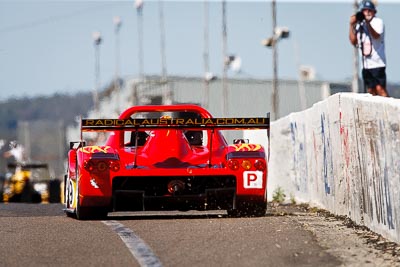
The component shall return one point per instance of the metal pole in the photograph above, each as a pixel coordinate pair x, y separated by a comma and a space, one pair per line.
356, 62
162, 41
166, 95
117, 23
206, 57
97, 77
26, 130
275, 92
139, 9
302, 91
97, 41
224, 55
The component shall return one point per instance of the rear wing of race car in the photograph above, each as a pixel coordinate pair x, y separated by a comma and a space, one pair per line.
212, 124
171, 123
27, 165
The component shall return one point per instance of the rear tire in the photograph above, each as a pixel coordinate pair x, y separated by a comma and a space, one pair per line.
54, 191
248, 209
2, 179
70, 214
82, 213
89, 213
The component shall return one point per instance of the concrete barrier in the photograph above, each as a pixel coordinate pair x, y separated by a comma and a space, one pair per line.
343, 155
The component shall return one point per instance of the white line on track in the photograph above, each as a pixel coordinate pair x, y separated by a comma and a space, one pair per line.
142, 253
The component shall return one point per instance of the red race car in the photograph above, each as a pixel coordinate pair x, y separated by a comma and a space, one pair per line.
168, 157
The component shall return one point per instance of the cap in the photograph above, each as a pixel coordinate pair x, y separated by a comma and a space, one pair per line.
366, 4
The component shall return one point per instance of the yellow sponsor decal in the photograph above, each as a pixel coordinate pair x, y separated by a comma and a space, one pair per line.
247, 147
95, 149
74, 192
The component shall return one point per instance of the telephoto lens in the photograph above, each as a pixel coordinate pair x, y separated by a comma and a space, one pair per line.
360, 16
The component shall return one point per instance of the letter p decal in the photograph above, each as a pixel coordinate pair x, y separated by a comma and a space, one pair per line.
252, 179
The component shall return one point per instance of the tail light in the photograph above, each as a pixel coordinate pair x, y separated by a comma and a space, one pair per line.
89, 166
246, 164
101, 166
260, 165
176, 186
114, 166
233, 164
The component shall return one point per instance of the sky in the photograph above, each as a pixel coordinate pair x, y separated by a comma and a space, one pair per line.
46, 47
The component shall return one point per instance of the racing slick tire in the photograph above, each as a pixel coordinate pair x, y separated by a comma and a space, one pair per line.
68, 197
248, 209
89, 213
54, 191
29, 195
2, 180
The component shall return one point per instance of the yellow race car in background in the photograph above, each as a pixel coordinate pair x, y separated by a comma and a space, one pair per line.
30, 182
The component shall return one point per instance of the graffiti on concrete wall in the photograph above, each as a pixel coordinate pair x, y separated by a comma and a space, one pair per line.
345, 156
299, 157
381, 197
328, 175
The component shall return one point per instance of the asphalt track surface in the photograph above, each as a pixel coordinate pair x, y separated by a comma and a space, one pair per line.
41, 235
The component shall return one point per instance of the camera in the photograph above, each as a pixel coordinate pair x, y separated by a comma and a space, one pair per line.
360, 16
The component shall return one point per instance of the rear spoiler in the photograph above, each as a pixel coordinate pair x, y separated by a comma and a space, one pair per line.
88, 125
27, 165
171, 123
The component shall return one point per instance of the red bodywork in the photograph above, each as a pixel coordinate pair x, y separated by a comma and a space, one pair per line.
176, 162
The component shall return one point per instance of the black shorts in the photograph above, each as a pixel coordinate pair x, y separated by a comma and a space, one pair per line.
373, 77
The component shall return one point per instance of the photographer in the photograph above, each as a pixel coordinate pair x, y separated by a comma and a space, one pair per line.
368, 32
